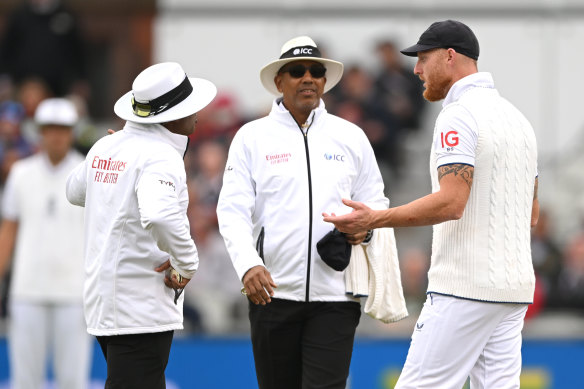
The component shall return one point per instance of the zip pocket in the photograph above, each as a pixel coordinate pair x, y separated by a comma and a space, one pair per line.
260, 245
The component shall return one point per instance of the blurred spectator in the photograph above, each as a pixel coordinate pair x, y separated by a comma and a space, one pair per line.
399, 88
207, 177
399, 92
354, 99
42, 40
546, 254
6, 88
220, 121
30, 93
213, 298
12, 144
214, 295
567, 291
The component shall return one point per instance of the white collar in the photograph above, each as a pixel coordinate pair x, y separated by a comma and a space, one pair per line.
63, 164
179, 142
280, 113
460, 87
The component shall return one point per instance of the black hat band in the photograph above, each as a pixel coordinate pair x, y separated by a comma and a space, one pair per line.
302, 51
164, 102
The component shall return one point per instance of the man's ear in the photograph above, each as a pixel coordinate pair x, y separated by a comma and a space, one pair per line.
451, 54
278, 82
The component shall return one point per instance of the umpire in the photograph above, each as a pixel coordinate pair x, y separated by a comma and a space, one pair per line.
133, 187
282, 171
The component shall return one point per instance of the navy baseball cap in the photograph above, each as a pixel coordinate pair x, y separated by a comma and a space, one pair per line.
446, 34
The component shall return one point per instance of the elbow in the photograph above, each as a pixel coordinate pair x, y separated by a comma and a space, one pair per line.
70, 196
147, 222
450, 204
457, 215
75, 199
453, 212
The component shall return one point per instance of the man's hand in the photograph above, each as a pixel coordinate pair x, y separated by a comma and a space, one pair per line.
356, 238
356, 222
258, 284
173, 281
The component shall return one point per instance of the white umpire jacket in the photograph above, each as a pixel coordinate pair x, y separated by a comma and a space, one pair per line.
133, 187
278, 180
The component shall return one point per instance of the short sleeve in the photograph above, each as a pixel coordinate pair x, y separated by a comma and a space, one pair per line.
456, 137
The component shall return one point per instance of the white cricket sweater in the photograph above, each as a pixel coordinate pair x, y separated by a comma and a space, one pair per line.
48, 255
486, 254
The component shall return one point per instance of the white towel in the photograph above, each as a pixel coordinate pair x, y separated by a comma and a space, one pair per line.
374, 272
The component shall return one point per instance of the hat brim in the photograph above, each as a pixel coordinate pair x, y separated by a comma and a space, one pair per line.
334, 72
203, 93
413, 51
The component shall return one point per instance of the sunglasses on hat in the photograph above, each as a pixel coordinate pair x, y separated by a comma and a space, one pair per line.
299, 70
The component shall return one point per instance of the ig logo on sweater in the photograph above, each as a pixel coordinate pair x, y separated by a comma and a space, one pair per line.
449, 140
334, 157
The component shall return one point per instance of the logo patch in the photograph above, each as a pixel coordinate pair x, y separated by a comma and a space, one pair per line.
274, 159
334, 157
168, 183
449, 140
302, 50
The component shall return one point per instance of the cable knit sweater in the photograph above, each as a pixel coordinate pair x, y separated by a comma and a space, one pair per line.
486, 254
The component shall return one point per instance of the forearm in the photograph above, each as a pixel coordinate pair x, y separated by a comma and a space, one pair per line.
7, 239
432, 209
172, 236
535, 206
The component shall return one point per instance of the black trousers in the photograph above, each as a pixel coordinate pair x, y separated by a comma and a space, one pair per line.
136, 361
303, 345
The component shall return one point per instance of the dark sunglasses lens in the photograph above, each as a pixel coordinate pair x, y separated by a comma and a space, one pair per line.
297, 71
317, 71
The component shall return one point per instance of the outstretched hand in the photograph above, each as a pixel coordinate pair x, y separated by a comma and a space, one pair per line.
361, 219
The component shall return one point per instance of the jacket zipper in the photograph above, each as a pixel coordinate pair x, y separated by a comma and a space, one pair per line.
304, 129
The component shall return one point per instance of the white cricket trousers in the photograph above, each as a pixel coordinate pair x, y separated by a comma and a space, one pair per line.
39, 330
455, 338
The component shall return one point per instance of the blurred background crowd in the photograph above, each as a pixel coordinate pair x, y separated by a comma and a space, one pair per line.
90, 53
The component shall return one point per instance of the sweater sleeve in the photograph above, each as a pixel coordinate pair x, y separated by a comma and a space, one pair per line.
158, 192
236, 206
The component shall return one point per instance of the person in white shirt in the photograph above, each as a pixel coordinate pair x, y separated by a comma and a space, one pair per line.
483, 167
133, 187
43, 234
282, 171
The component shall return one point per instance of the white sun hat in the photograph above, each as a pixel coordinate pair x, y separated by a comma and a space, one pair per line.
56, 111
162, 93
297, 49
